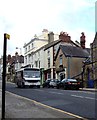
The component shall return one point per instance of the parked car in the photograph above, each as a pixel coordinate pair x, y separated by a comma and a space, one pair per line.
69, 84
53, 83
46, 83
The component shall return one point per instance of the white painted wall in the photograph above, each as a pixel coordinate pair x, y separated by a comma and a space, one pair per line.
39, 56
36, 45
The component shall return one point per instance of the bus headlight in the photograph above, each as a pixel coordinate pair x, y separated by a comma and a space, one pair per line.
38, 83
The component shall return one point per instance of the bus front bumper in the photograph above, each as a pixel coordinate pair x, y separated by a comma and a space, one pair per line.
34, 84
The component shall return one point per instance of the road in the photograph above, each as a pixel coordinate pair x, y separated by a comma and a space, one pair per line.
80, 103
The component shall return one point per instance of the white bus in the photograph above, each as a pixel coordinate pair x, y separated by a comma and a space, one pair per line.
27, 77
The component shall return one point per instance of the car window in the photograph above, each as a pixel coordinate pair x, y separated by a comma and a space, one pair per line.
63, 80
72, 80
66, 80
52, 80
56, 80
48, 80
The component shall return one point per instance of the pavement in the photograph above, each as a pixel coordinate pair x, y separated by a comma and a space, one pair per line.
21, 107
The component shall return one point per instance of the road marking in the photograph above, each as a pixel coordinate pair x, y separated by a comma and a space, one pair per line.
88, 92
84, 97
90, 98
71, 114
56, 93
77, 96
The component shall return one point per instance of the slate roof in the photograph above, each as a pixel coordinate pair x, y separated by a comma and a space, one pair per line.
56, 42
51, 44
72, 51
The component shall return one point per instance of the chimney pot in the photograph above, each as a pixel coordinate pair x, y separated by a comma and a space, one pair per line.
65, 37
82, 40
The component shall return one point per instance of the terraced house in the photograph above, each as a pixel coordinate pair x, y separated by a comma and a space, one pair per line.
69, 61
54, 65
51, 50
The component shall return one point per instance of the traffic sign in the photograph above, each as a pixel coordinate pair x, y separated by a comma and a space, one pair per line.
7, 36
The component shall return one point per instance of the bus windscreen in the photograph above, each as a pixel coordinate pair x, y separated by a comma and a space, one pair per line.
31, 74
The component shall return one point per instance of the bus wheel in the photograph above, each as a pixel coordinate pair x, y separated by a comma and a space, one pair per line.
23, 86
18, 85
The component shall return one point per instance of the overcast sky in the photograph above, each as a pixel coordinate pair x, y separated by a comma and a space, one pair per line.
22, 19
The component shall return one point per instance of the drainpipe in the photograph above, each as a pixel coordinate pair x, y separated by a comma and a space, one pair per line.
68, 67
83, 70
42, 76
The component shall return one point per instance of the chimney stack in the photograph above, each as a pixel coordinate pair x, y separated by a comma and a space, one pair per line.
82, 40
45, 34
65, 37
50, 37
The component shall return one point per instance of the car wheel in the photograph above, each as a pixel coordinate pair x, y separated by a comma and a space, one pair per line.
38, 86
65, 88
77, 88
48, 86
22, 85
18, 85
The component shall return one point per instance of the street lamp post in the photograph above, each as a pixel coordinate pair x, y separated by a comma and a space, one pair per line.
6, 36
